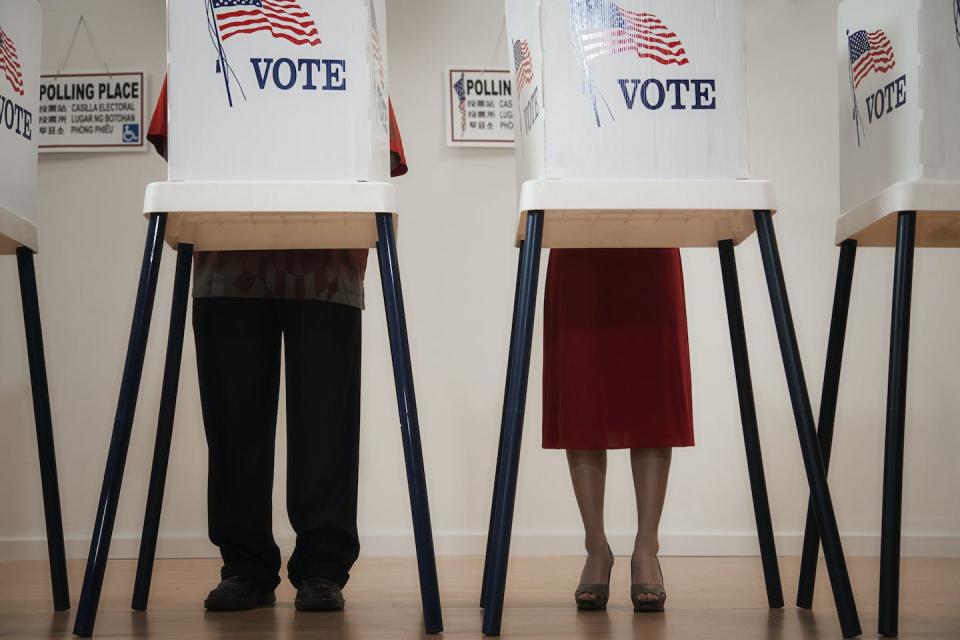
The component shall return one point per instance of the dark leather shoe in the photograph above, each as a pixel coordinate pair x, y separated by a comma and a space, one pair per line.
319, 594
238, 594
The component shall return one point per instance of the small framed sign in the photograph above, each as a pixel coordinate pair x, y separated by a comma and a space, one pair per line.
92, 112
480, 107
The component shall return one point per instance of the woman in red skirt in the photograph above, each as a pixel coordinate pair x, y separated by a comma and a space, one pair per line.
617, 376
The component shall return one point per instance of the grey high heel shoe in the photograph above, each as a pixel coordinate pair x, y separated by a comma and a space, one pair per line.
600, 592
645, 589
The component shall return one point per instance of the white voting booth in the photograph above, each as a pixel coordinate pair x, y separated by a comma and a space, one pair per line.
609, 99
278, 139
20, 39
19, 102
633, 133
898, 65
899, 130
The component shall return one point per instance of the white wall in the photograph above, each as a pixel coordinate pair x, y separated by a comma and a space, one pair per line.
459, 270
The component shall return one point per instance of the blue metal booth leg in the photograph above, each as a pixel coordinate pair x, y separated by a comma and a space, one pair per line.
518, 371
503, 419
168, 407
896, 421
44, 426
828, 412
122, 426
409, 424
809, 446
751, 433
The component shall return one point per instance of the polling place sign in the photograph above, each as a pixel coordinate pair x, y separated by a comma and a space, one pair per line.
92, 112
480, 110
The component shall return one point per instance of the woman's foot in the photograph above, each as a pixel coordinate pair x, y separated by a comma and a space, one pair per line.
594, 589
646, 592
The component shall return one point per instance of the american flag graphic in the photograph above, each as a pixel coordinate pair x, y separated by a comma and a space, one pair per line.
524, 64
606, 28
10, 62
462, 97
284, 19
870, 53
602, 27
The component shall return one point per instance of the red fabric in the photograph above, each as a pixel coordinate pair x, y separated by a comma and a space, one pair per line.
157, 134
616, 354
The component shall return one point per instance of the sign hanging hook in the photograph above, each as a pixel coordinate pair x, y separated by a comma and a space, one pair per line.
93, 44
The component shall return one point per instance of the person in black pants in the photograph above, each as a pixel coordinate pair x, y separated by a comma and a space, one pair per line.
246, 304
238, 361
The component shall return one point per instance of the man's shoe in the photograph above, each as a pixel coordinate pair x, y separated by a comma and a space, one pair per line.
237, 593
319, 594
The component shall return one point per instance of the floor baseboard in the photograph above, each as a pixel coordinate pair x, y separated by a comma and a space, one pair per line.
472, 543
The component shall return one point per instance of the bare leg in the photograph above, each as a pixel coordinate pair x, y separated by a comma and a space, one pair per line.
588, 470
651, 468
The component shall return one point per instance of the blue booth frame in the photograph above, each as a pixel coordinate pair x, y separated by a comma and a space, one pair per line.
126, 405
43, 420
518, 369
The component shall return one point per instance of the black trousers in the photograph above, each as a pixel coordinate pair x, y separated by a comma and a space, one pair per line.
238, 360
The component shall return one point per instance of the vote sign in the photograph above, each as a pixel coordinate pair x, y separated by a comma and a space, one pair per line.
20, 34
636, 88
899, 75
266, 90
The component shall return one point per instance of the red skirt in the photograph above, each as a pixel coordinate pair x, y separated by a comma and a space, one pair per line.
616, 371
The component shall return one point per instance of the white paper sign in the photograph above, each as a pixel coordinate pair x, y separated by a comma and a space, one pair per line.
293, 92
629, 90
20, 34
92, 112
480, 107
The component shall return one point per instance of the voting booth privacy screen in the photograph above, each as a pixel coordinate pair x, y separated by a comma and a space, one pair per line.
633, 89
20, 33
279, 91
899, 68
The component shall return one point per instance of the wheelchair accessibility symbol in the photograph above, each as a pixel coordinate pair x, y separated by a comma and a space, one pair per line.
131, 134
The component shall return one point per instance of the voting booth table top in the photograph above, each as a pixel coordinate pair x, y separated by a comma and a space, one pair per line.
278, 139
633, 133
20, 33
899, 187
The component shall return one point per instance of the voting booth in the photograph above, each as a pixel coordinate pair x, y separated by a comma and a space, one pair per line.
278, 139
20, 36
897, 63
633, 133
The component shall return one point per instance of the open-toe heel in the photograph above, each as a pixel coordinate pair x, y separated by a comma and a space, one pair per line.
600, 592
641, 604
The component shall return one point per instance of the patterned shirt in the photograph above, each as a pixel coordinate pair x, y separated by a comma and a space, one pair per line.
319, 274
328, 275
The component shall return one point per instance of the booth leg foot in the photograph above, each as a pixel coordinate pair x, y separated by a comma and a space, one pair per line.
409, 423
809, 446
896, 418
828, 412
518, 371
168, 407
503, 419
122, 426
751, 434
44, 427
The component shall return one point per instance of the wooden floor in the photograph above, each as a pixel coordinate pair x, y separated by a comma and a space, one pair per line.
708, 598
